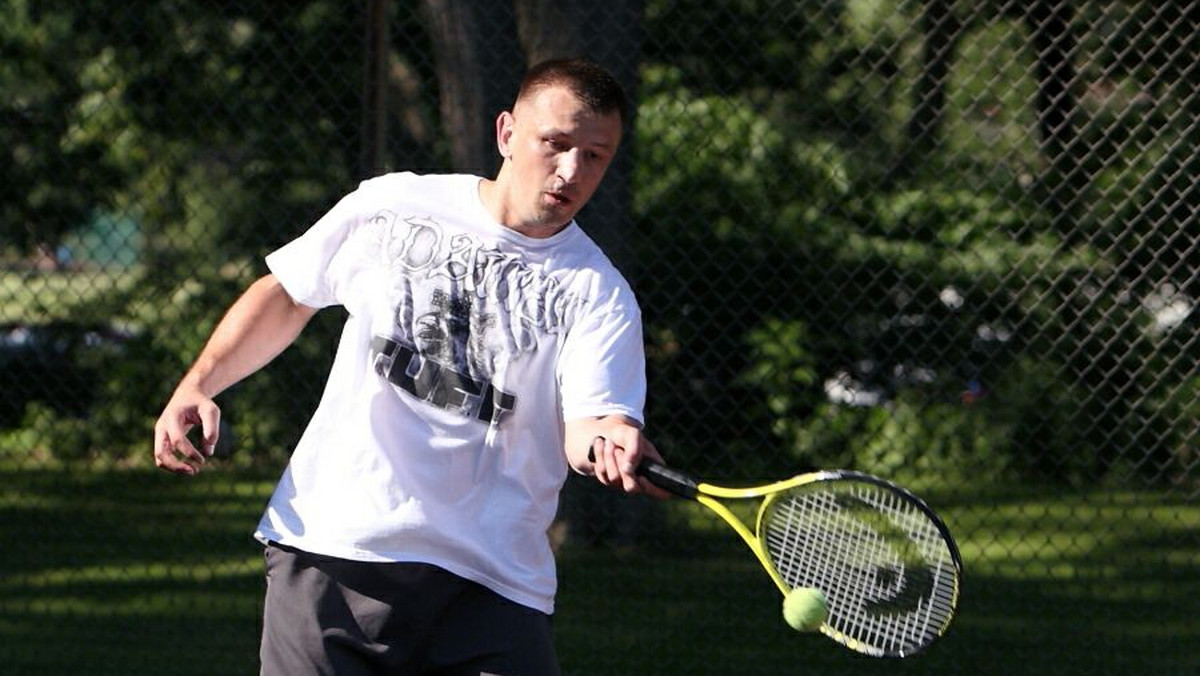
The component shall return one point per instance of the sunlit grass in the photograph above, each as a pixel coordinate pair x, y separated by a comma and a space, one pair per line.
35, 297
200, 570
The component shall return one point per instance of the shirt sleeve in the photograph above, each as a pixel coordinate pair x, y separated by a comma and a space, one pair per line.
602, 368
318, 267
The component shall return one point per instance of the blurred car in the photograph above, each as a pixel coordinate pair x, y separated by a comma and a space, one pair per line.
56, 363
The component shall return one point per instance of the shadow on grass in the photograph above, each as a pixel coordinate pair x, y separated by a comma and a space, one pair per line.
1092, 584
129, 573
144, 573
716, 615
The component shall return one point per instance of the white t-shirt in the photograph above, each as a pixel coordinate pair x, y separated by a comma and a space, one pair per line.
439, 437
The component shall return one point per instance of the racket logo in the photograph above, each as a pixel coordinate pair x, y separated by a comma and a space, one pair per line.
909, 587
905, 583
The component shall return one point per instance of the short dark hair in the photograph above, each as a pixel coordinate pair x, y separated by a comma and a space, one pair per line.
589, 82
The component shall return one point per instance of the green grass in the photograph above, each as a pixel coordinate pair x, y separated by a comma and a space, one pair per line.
1056, 583
146, 573
128, 573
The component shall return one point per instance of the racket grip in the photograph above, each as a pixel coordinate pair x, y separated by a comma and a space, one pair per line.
670, 480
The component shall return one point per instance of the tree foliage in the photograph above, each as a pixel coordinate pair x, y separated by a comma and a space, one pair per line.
874, 311
56, 128
848, 221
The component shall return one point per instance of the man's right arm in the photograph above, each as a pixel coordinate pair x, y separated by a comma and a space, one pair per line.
255, 329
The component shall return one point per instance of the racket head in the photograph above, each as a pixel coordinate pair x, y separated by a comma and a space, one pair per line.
886, 563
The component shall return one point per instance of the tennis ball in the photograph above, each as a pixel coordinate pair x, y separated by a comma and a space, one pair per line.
804, 608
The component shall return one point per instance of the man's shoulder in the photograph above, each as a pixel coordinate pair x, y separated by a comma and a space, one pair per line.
605, 282
598, 260
410, 180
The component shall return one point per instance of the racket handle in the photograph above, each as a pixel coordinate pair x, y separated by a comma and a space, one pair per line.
670, 480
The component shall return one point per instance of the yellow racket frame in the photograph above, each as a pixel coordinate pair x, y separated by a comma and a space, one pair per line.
710, 495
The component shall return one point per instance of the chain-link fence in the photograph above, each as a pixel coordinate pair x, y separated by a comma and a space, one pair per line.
951, 243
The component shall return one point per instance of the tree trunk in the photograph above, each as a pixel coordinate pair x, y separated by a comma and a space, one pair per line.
479, 67
374, 113
611, 34
942, 31
1049, 25
480, 63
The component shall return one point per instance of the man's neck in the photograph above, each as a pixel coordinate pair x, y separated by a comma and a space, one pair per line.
495, 199
493, 203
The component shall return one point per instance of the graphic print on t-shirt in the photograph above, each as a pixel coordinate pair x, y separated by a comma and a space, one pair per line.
462, 311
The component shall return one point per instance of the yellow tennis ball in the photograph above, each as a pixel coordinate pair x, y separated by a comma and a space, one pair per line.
804, 608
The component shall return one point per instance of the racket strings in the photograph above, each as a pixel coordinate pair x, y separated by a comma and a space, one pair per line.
887, 573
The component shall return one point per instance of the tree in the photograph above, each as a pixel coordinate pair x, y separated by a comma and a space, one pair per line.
479, 65
59, 168
610, 34
1053, 41
942, 31
482, 51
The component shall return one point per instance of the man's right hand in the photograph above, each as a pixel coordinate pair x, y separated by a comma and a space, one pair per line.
257, 327
173, 451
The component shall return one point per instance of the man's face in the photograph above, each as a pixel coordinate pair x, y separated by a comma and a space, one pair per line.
557, 151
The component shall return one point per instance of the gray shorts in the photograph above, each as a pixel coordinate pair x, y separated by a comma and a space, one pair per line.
325, 615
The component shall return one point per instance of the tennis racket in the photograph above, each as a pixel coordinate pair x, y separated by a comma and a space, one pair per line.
886, 563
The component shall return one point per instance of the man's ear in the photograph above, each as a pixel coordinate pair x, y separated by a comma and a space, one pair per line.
504, 132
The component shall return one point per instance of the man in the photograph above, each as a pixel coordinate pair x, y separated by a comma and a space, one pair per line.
490, 345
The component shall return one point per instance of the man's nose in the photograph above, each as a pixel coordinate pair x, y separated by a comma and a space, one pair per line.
568, 165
